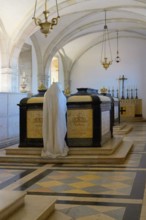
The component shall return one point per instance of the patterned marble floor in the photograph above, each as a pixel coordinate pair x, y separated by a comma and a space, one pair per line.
87, 192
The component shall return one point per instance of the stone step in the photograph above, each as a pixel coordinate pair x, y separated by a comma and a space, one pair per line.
108, 148
117, 157
10, 201
35, 151
122, 152
132, 119
123, 131
43, 206
119, 126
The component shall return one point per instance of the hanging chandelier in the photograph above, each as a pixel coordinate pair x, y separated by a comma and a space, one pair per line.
117, 57
105, 61
45, 25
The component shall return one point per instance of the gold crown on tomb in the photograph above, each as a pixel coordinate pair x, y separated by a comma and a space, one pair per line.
103, 90
41, 87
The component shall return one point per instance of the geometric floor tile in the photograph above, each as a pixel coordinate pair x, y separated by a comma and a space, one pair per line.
94, 182
6, 174
87, 192
81, 212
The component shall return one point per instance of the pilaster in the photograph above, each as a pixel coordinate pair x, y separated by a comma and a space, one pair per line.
9, 80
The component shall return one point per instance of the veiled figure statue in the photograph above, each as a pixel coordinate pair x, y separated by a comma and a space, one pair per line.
54, 122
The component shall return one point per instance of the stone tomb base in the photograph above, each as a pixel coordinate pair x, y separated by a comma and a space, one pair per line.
122, 129
113, 151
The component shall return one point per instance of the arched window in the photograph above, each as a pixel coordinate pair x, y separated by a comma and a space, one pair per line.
54, 70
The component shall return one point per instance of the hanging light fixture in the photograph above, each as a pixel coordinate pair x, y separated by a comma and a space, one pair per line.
45, 25
105, 61
117, 57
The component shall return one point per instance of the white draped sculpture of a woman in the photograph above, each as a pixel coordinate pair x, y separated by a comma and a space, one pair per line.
54, 122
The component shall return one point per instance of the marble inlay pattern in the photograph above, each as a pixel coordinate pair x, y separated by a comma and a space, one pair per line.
8, 175
81, 212
87, 192
113, 183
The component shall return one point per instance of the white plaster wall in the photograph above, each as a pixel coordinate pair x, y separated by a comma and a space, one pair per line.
9, 115
88, 72
25, 62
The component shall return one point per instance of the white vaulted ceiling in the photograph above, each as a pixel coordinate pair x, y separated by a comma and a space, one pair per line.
80, 26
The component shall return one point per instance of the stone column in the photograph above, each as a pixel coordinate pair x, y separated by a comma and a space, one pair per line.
15, 85
67, 83
6, 79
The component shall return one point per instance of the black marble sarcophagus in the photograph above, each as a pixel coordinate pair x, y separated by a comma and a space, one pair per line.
31, 117
89, 122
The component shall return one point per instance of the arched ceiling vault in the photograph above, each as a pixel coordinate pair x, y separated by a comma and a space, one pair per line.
80, 26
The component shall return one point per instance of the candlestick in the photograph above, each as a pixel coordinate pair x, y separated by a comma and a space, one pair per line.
117, 93
127, 93
122, 79
136, 93
112, 92
131, 93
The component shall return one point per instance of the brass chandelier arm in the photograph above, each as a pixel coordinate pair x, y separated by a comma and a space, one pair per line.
54, 21
37, 21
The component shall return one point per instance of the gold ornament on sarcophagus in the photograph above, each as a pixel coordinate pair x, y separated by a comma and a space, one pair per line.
34, 123
80, 123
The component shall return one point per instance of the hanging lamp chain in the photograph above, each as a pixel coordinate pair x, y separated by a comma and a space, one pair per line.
117, 42
117, 57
